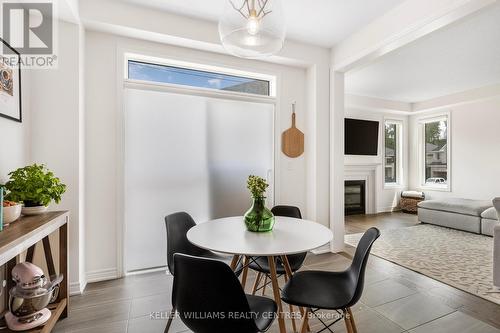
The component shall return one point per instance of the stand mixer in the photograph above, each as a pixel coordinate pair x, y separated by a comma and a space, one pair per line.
30, 296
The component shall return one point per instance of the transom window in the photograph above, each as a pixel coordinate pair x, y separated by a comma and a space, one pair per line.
435, 140
145, 71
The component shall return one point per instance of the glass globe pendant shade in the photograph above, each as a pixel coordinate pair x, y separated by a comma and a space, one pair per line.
252, 28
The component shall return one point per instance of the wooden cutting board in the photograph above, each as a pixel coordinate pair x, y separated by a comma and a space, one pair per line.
292, 140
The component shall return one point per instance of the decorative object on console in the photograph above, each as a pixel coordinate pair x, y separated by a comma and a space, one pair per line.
409, 201
35, 186
292, 140
30, 296
252, 28
258, 218
10, 83
11, 212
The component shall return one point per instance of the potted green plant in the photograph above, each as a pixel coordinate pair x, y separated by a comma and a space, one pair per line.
35, 186
258, 218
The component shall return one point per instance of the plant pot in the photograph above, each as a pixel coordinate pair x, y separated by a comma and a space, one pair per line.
258, 218
12, 213
35, 210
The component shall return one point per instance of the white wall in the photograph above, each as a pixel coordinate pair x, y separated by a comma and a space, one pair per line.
102, 144
15, 137
475, 154
55, 135
386, 198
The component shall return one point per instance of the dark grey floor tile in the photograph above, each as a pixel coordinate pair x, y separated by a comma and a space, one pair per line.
145, 305
414, 310
385, 291
148, 325
366, 320
96, 315
114, 327
456, 322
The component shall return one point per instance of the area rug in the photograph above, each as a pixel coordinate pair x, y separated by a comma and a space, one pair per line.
459, 259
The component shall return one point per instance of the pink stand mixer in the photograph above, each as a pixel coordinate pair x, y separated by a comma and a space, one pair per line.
28, 300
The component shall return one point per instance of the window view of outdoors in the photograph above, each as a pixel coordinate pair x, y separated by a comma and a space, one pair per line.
390, 153
194, 78
436, 166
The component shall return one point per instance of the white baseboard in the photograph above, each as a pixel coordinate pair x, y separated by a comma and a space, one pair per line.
76, 288
102, 275
388, 209
151, 270
322, 249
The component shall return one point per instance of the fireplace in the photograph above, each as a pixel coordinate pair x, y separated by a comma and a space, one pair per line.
354, 197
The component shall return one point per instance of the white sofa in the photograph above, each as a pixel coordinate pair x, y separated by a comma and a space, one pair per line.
456, 213
496, 247
489, 219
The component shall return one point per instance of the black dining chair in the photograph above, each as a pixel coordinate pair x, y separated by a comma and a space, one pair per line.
177, 225
209, 298
261, 265
339, 291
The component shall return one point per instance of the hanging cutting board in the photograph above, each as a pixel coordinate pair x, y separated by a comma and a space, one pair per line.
292, 140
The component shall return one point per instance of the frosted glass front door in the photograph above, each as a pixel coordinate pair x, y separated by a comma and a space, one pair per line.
188, 153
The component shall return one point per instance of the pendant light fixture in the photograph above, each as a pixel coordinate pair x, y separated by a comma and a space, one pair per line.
252, 28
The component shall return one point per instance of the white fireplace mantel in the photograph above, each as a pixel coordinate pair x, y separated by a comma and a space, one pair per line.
370, 173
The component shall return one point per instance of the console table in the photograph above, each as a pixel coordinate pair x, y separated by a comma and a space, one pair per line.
23, 235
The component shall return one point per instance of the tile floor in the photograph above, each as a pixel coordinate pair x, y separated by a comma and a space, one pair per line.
398, 302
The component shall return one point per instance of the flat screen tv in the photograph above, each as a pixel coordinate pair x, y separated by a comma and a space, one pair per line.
361, 137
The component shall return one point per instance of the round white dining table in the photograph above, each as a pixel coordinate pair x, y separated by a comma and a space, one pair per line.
289, 236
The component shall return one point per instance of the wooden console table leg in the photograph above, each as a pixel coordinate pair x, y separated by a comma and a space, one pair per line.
8, 277
30, 253
48, 256
63, 267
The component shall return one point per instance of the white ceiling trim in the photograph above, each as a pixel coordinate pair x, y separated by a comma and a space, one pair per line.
465, 97
404, 24
377, 104
452, 100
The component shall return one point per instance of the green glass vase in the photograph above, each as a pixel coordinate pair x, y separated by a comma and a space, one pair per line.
258, 218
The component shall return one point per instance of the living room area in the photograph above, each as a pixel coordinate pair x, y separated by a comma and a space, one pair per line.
421, 158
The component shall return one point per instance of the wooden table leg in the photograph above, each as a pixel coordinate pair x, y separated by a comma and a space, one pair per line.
305, 322
351, 318
289, 273
63, 267
256, 283
234, 262
245, 272
292, 310
276, 292
265, 285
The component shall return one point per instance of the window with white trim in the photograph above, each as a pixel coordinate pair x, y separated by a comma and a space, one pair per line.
434, 140
197, 77
393, 153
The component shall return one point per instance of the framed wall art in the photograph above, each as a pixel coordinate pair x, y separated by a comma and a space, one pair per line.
10, 83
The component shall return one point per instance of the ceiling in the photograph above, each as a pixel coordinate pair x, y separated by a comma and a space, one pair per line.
319, 22
460, 57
